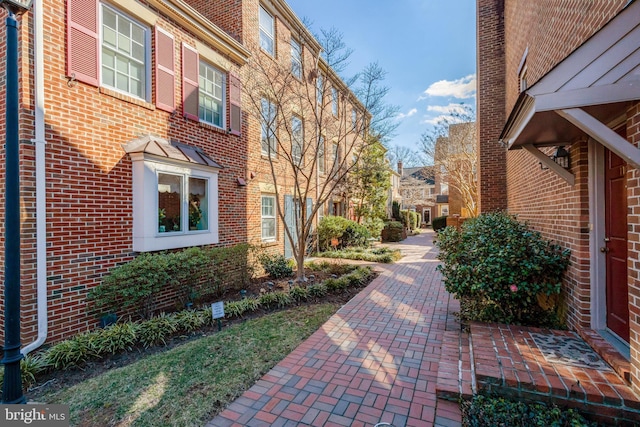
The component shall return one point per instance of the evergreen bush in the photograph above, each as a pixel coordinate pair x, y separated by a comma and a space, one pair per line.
501, 267
439, 223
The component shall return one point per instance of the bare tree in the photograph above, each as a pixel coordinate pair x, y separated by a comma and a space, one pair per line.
451, 145
409, 158
313, 130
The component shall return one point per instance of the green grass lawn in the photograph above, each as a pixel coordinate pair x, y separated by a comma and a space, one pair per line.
188, 385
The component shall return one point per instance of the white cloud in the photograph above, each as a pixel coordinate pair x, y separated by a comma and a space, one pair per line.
442, 113
463, 88
409, 114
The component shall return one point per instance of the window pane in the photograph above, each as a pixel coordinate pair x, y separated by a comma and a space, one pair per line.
169, 203
198, 204
268, 218
124, 51
266, 31
212, 88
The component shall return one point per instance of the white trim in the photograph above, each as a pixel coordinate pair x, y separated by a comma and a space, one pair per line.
145, 207
597, 262
603, 134
559, 170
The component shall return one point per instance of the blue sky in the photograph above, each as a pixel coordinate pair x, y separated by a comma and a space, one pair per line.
427, 48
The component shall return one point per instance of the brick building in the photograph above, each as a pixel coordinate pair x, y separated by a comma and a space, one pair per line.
305, 125
137, 135
558, 78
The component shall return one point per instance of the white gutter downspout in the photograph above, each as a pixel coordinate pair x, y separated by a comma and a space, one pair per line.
41, 208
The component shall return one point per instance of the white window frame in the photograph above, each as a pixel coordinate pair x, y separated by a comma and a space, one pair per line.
319, 89
354, 118
322, 160
268, 127
296, 59
203, 94
146, 84
334, 101
264, 217
267, 31
297, 138
146, 236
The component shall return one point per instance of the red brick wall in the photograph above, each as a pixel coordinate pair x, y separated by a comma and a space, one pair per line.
548, 32
633, 254
89, 180
491, 105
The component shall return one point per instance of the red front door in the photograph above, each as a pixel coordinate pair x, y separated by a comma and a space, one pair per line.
615, 245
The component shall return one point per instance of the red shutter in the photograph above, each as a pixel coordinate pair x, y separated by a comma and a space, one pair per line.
235, 105
82, 40
190, 78
165, 74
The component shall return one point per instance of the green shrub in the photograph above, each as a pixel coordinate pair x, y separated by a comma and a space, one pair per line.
268, 300
347, 232
234, 309
134, 285
395, 211
392, 232
383, 255
439, 223
191, 320
298, 293
276, 265
30, 367
155, 330
239, 264
115, 338
70, 353
283, 298
355, 235
374, 226
501, 266
317, 290
489, 411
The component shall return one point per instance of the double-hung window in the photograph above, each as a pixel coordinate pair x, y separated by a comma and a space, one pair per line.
267, 32
334, 101
297, 139
124, 53
268, 218
268, 127
319, 89
212, 95
296, 59
321, 156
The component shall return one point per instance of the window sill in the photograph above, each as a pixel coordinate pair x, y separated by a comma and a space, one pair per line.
269, 243
213, 128
127, 98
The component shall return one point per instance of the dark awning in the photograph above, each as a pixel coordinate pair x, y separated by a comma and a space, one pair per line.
170, 150
592, 86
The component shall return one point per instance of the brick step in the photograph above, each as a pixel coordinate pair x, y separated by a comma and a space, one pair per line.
455, 377
509, 362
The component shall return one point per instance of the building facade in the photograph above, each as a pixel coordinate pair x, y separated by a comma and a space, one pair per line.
558, 130
138, 134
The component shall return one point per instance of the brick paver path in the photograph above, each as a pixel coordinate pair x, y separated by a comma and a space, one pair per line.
375, 360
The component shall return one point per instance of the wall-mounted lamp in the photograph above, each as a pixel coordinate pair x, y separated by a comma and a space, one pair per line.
562, 158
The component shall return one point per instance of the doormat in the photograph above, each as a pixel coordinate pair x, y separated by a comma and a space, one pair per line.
568, 351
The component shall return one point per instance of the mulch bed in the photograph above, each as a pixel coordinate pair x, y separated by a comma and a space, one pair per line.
57, 380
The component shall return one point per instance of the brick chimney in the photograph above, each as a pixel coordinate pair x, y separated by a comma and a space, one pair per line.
400, 168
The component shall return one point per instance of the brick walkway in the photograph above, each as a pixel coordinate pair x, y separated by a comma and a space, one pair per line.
376, 360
